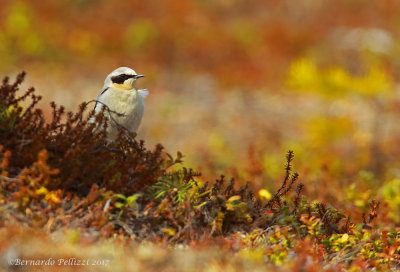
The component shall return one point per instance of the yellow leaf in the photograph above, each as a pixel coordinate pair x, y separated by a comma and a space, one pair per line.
230, 205
42, 191
234, 198
344, 238
52, 197
264, 194
169, 231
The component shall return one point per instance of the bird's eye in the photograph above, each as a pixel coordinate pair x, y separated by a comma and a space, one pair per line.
126, 76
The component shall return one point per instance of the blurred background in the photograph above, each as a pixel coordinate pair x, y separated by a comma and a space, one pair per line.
235, 84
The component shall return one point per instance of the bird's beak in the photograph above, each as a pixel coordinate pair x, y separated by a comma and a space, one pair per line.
139, 76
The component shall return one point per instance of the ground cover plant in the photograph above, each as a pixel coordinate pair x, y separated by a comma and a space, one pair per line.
234, 86
61, 177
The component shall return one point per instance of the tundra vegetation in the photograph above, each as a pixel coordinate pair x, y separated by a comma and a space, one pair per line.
62, 183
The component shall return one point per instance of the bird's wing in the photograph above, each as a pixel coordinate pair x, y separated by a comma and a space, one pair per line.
98, 97
143, 93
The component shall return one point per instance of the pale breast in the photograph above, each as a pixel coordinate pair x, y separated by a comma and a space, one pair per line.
127, 103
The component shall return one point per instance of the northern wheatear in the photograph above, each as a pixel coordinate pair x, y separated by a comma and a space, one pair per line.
123, 102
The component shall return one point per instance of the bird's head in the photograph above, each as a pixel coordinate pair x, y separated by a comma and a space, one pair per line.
122, 78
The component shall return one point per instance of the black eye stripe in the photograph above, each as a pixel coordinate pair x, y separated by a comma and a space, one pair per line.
120, 78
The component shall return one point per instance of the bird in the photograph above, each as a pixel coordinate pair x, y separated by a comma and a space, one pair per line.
123, 103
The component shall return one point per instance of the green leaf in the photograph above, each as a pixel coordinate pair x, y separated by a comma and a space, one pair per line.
121, 196
119, 205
